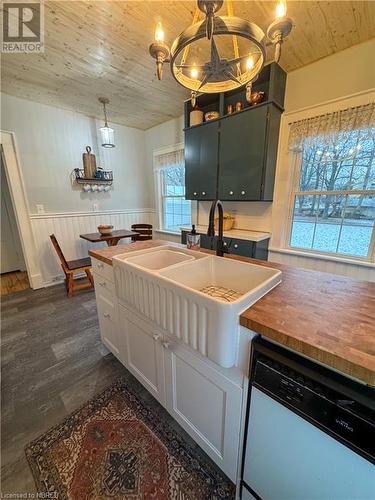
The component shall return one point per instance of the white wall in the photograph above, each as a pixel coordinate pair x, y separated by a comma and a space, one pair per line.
50, 145
341, 74
50, 142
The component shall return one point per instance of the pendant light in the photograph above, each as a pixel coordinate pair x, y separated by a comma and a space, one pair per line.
202, 58
107, 133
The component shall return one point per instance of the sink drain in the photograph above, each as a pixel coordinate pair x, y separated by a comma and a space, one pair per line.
221, 292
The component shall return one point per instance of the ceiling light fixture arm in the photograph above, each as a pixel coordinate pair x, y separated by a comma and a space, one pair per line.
277, 31
159, 51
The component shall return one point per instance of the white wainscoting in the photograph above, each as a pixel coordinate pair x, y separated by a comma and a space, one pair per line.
68, 226
360, 271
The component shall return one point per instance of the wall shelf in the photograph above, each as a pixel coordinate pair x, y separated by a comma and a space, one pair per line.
271, 81
106, 179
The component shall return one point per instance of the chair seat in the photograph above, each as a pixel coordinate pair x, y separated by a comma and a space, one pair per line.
75, 264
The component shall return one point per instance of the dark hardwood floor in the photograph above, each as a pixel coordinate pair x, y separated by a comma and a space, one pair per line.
52, 362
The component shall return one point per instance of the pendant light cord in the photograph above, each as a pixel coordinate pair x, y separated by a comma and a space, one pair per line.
105, 115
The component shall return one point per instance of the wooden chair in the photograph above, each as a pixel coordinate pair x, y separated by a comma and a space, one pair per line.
144, 230
71, 267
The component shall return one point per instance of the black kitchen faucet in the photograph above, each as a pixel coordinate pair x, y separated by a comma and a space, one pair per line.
220, 247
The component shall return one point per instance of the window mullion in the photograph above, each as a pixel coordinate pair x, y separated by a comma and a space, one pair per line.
342, 223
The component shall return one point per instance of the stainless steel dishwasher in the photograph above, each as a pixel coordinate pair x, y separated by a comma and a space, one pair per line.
310, 432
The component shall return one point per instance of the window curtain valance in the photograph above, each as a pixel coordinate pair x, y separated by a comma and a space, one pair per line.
170, 159
329, 124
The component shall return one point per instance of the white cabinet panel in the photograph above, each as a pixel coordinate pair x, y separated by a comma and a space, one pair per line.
143, 353
106, 302
109, 334
206, 404
189, 401
108, 320
102, 269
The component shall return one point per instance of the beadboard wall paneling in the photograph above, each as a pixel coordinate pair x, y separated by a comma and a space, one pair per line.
354, 271
68, 226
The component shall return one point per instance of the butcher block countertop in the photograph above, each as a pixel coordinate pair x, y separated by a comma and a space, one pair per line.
324, 316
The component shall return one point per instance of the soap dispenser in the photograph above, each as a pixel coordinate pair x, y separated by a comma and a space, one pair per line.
193, 239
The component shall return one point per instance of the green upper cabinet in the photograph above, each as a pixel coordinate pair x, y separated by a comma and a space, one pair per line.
201, 161
234, 157
241, 153
247, 154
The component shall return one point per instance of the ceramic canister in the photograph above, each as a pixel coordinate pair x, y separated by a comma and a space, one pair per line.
196, 117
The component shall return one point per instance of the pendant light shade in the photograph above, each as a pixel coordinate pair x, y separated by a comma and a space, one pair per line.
107, 133
108, 137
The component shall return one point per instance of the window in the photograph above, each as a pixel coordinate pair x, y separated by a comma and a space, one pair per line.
334, 199
174, 210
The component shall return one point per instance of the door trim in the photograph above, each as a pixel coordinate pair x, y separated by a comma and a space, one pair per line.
17, 190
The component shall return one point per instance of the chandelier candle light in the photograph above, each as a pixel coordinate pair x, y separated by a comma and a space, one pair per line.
200, 57
107, 134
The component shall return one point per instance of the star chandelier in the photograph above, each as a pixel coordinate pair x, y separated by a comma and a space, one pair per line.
219, 53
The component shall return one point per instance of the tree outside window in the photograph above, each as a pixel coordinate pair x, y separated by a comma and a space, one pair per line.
334, 204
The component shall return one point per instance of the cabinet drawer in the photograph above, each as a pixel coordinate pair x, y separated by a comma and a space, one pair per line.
103, 284
240, 247
104, 270
106, 308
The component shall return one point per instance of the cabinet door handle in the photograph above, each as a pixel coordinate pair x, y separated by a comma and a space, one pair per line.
165, 344
156, 336
102, 283
231, 193
243, 192
204, 193
106, 315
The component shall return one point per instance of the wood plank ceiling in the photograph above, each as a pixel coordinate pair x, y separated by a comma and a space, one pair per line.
95, 48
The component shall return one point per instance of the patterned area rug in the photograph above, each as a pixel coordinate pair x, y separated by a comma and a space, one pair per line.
118, 447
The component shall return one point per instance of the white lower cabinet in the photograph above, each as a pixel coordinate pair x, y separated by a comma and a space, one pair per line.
143, 353
106, 301
205, 402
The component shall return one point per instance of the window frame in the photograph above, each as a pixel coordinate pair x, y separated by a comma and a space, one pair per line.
296, 163
158, 188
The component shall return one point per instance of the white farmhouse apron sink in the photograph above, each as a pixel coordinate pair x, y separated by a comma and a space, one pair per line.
155, 261
193, 296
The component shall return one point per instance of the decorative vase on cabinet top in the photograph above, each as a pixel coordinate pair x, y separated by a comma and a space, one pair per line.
196, 117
